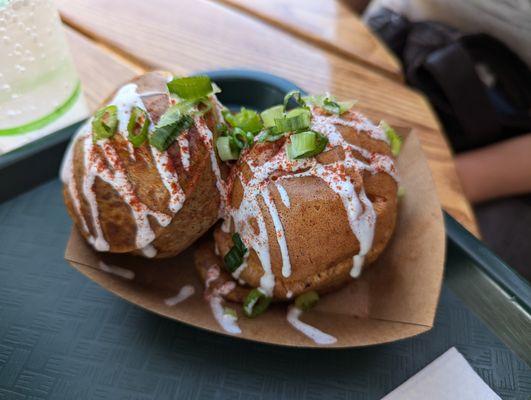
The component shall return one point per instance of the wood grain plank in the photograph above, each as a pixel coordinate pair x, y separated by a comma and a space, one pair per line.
100, 71
196, 35
329, 24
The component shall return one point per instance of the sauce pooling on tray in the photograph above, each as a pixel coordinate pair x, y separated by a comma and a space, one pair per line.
101, 160
311, 332
249, 221
185, 292
214, 296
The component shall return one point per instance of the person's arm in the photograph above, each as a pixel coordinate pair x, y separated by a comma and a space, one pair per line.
499, 170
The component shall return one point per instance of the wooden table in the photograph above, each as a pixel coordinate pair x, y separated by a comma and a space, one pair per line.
318, 44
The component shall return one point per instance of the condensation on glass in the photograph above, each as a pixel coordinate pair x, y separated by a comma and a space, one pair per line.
38, 81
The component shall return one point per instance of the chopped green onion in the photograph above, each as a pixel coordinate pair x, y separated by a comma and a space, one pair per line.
192, 87
234, 258
138, 132
306, 144
295, 95
238, 243
225, 150
274, 138
337, 107
395, 139
344, 106
170, 125
247, 120
104, 123
236, 143
269, 115
222, 129
306, 301
401, 192
295, 120
215, 88
255, 303
183, 107
230, 312
246, 138
329, 103
301, 143
207, 107
331, 106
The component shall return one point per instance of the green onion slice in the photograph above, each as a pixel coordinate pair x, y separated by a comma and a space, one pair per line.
270, 135
230, 312
306, 144
104, 123
192, 87
295, 95
295, 120
225, 150
307, 301
237, 143
344, 106
395, 139
222, 129
138, 129
234, 258
255, 303
245, 138
269, 115
329, 103
238, 243
207, 107
170, 126
401, 192
274, 138
247, 120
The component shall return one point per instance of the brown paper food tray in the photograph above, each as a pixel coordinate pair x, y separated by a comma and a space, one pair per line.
394, 299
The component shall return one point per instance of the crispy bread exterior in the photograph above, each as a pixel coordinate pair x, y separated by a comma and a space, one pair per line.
200, 209
319, 238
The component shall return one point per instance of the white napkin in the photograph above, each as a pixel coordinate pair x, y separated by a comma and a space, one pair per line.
449, 377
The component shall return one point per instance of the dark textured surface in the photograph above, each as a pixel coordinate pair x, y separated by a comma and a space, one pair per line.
63, 337
506, 227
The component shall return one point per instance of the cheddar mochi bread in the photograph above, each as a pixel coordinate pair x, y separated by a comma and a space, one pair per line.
141, 176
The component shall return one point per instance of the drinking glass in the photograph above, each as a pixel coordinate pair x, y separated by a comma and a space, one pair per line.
40, 91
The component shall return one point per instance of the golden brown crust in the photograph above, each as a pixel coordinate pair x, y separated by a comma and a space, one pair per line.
200, 209
318, 235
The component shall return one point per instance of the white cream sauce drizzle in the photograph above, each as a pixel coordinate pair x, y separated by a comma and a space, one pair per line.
279, 231
125, 99
208, 140
149, 251
185, 292
360, 212
311, 332
169, 178
67, 172
283, 195
357, 264
215, 300
184, 148
118, 271
117, 178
